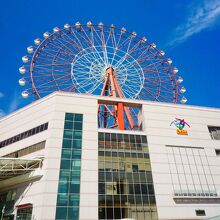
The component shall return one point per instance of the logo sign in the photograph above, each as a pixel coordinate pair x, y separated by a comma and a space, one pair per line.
180, 124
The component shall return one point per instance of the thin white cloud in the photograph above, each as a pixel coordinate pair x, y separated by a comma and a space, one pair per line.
201, 17
2, 113
1, 95
14, 103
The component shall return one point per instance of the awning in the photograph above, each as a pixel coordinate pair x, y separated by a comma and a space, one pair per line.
11, 167
24, 206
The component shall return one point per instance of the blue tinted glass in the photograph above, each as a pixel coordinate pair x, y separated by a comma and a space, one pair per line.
77, 135
65, 164
67, 143
76, 164
78, 117
68, 134
61, 213
75, 173
69, 116
73, 200
73, 213
74, 188
62, 199
69, 179
76, 154
63, 187
66, 154
68, 125
77, 144
77, 125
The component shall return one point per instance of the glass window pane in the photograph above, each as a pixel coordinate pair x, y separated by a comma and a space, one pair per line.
68, 134
65, 164
77, 134
69, 116
63, 187
77, 125
74, 200
73, 213
78, 117
62, 199
76, 154
61, 213
74, 188
67, 143
77, 144
66, 153
68, 125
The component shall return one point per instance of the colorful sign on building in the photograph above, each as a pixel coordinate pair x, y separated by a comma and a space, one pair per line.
180, 124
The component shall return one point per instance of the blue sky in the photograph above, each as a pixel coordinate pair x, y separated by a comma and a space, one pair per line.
188, 31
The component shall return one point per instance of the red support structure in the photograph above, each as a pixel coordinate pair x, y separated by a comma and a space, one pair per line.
120, 117
118, 112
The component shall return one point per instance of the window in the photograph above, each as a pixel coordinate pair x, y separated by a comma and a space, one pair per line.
7, 200
190, 172
214, 132
125, 179
217, 151
27, 150
24, 135
200, 212
69, 180
24, 213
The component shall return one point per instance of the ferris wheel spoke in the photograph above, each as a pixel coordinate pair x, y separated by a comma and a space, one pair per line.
112, 42
85, 83
87, 38
54, 48
55, 45
151, 95
104, 47
62, 46
97, 85
135, 47
159, 86
71, 40
78, 42
96, 54
50, 53
116, 47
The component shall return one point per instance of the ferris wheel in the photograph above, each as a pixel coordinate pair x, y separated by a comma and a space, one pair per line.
101, 60
85, 58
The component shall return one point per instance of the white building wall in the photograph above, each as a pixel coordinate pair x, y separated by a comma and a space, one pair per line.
43, 192
157, 118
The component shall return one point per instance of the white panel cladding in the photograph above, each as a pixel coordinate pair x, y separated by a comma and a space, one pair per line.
43, 193
157, 120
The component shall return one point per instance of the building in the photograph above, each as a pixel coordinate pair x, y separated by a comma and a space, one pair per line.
57, 164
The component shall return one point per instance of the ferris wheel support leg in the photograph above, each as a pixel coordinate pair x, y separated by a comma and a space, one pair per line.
126, 109
120, 116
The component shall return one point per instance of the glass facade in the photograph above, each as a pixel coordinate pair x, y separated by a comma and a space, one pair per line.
125, 179
214, 132
24, 213
27, 150
7, 201
70, 167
